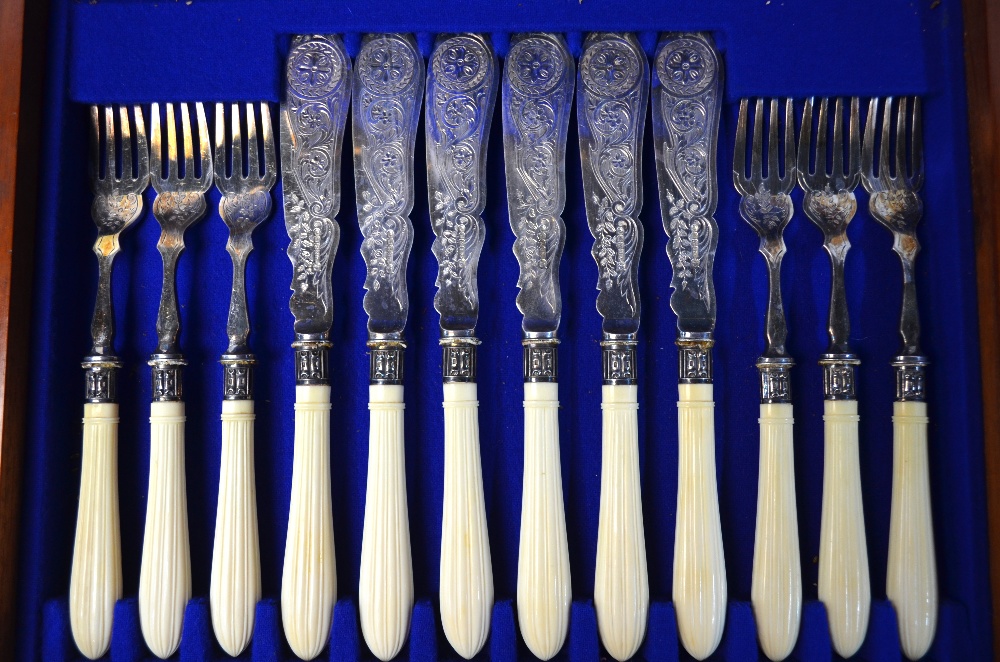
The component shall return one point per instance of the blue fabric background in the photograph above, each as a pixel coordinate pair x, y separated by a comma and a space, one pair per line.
226, 50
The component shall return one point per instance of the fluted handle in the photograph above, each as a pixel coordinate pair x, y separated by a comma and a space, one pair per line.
911, 580
96, 580
385, 594
776, 590
235, 588
844, 586
309, 577
621, 583
466, 567
543, 578
699, 562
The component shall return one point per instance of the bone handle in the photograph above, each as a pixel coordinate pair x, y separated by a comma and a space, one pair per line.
309, 577
96, 580
385, 595
776, 590
843, 554
911, 581
621, 584
543, 578
699, 563
235, 583
466, 567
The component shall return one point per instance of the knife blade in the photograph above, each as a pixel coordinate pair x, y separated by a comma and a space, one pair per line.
612, 90
461, 90
538, 86
687, 90
313, 115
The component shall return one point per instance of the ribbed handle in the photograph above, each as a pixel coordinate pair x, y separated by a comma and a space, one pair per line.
844, 586
776, 590
621, 583
911, 580
165, 575
699, 562
309, 577
466, 567
96, 580
543, 579
235, 587
385, 595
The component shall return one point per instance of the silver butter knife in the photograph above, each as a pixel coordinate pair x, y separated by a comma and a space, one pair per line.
461, 90
388, 90
687, 90
612, 91
537, 97
313, 115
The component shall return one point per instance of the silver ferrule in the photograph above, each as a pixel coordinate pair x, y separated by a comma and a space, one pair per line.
911, 378
541, 359
775, 379
694, 358
459, 358
167, 376
101, 371
237, 383
838, 376
618, 364
312, 359
386, 362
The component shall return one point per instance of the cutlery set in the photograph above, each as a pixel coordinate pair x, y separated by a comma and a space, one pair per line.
386, 87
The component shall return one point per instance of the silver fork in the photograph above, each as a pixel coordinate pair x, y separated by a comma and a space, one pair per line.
911, 579
96, 578
776, 589
246, 203
844, 585
165, 574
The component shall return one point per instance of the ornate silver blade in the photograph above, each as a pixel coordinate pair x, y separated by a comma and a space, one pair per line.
687, 90
537, 97
612, 89
389, 82
317, 95
461, 90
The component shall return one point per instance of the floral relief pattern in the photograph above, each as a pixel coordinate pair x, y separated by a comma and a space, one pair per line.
461, 65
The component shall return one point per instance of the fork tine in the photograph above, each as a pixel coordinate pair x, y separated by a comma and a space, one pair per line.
220, 143
868, 148
95, 145
142, 150
740, 151
805, 143
838, 138
917, 149
173, 174
772, 149
822, 129
126, 131
253, 158
884, 173
110, 171
236, 136
156, 144
270, 169
187, 142
788, 177
901, 139
205, 144
757, 154
853, 172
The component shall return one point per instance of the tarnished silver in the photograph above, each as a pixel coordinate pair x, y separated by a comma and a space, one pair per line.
612, 90
388, 90
895, 202
767, 207
312, 117
245, 204
830, 204
117, 188
180, 202
687, 90
537, 96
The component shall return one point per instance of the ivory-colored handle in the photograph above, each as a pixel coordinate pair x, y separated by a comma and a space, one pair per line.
699, 561
543, 578
96, 579
309, 577
776, 589
621, 582
165, 574
844, 585
235, 588
466, 567
385, 594
911, 580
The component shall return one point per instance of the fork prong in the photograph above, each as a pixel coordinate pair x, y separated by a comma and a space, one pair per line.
187, 142
788, 177
253, 158
884, 171
805, 143
740, 151
205, 145
156, 144
822, 129
837, 169
236, 136
142, 150
757, 151
220, 143
868, 147
773, 176
853, 171
270, 168
172, 172
901, 139
95, 145
917, 149
126, 132
110, 171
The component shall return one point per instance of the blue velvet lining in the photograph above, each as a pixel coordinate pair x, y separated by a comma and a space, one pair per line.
226, 50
